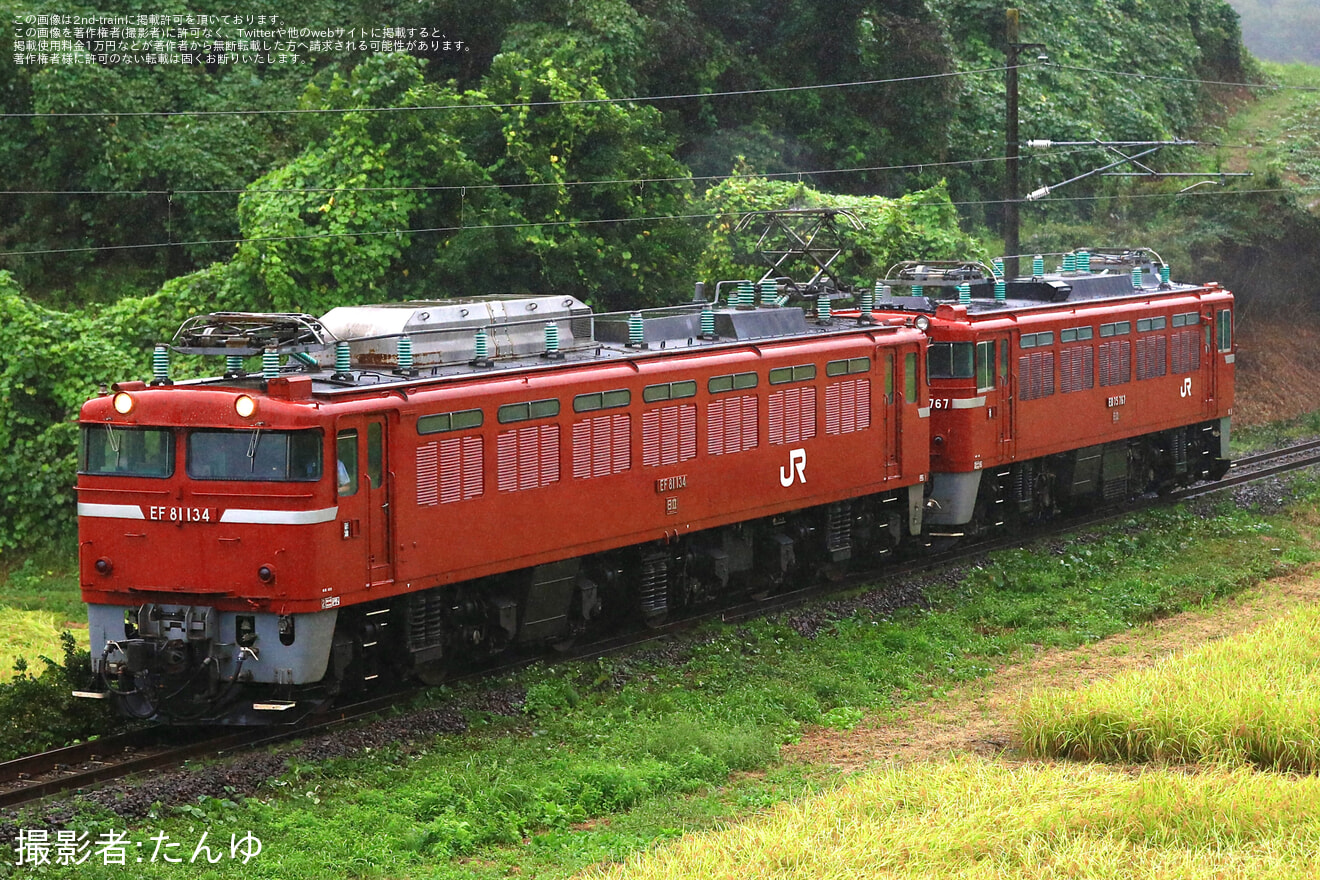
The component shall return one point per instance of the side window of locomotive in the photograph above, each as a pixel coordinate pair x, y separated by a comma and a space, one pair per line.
950, 360
375, 455
910, 377
985, 365
128, 452
255, 455
889, 377
1224, 322
346, 449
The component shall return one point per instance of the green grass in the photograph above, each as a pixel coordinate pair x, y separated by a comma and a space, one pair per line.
1246, 440
615, 755
1250, 699
973, 819
39, 599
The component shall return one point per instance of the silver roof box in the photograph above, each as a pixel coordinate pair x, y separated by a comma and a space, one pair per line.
443, 331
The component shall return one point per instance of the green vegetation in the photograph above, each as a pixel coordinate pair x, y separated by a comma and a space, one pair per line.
612, 755
971, 818
1252, 699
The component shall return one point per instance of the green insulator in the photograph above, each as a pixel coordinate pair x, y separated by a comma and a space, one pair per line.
1084, 261
1164, 274
1001, 290
868, 303
160, 363
707, 321
918, 290
233, 363
551, 337
405, 353
1038, 265
636, 331
998, 265
1070, 262
964, 294
1136, 277
881, 291
823, 309
769, 292
480, 345
270, 363
746, 295
343, 363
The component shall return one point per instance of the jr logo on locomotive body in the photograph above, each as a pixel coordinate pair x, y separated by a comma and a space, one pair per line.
796, 470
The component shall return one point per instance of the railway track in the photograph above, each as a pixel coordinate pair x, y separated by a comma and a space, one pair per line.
87, 765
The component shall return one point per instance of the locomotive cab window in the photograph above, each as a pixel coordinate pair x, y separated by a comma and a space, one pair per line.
910, 377
985, 365
950, 360
346, 450
271, 456
129, 452
1225, 325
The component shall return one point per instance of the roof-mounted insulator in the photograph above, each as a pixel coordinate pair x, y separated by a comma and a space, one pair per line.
1001, 290
998, 265
552, 341
707, 322
1070, 262
1136, 277
1038, 266
160, 365
1084, 261
769, 292
866, 306
1164, 274
481, 348
637, 331
746, 295
823, 309
233, 365
964, 294
270, 363
918, 290
343, 361
405, 356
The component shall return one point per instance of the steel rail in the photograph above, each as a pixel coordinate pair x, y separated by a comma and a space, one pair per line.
85, 765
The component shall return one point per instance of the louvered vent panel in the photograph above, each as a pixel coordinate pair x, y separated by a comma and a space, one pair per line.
474, 467
427, 474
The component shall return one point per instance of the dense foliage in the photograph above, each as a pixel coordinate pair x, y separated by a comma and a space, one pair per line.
512, 165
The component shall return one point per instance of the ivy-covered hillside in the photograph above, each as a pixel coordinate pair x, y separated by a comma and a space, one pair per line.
139, 194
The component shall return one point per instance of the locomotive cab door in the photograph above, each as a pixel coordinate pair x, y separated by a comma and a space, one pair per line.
364, 507
1003, 409
884, 358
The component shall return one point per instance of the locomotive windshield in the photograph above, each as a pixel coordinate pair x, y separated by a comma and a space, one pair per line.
127, 452
276, 456
950, 360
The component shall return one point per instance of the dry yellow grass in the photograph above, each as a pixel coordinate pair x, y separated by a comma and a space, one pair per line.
1253, 698
972, 818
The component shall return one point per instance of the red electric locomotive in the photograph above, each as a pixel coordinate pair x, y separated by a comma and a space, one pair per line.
404, 487
1099, 381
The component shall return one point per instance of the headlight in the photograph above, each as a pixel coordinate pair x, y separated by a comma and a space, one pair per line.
123, 402
922, 323
245, 406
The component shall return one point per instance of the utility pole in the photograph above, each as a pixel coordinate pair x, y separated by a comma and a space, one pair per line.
1011, 147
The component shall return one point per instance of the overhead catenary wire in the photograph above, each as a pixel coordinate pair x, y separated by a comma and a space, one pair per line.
511, 105
913, 166
612, 220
